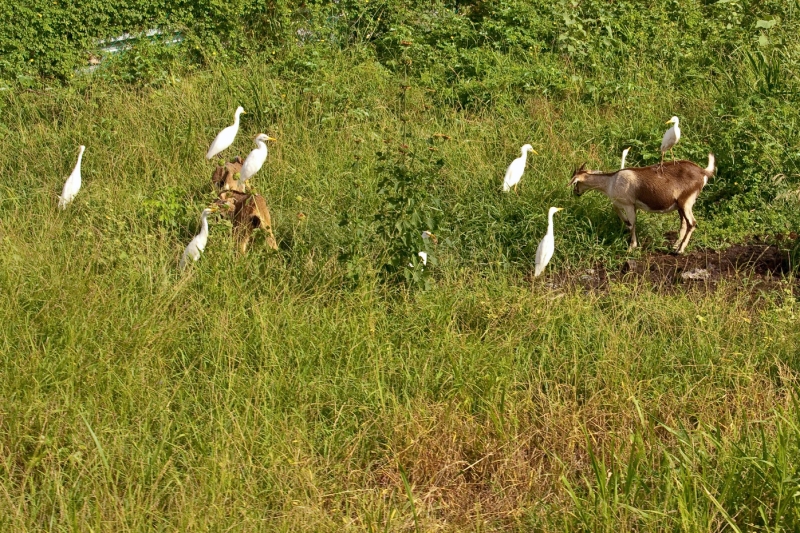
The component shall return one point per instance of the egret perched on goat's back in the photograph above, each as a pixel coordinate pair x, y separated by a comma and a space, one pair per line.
198, 244
671, 138
73, 183
547, 246
624, 156
225, 138
516, 169
255, 159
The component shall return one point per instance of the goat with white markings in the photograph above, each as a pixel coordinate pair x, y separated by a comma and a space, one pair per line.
655, 188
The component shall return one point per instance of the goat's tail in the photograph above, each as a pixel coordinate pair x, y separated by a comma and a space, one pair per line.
709, 170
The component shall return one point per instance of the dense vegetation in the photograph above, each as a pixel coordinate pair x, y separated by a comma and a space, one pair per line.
329, 386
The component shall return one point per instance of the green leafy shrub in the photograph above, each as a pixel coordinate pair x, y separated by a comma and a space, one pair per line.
408, 206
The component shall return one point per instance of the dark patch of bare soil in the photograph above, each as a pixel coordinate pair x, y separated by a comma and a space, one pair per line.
754, 266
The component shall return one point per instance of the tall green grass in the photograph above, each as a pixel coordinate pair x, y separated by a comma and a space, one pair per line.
273, 392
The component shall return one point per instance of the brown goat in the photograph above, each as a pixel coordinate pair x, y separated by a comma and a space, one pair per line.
224, 178
656, 188
248, 212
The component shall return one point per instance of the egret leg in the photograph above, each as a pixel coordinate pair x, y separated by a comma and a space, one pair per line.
515, 188
672, 154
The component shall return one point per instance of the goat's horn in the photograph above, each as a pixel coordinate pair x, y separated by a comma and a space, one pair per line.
583, 167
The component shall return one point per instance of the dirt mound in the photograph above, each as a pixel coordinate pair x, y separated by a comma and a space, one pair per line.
762, 266
711, 265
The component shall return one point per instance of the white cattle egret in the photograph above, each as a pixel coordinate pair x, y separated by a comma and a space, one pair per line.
73, 183
624, 155
426, 236
255, 159
225, 138
548, 245
516, 169
198, 244
671, 138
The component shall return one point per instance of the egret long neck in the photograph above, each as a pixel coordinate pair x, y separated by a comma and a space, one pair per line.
204, 224
550, 223
80, 157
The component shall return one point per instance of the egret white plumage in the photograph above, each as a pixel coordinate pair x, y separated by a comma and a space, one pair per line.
255, 159
198, 244
73, 183
516, 169
624, 155
547, 246
225, 138
427, 236
671, 138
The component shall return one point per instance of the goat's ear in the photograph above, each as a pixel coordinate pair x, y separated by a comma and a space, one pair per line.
583, 167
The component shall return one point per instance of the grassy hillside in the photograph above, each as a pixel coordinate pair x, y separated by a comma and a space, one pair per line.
322, 387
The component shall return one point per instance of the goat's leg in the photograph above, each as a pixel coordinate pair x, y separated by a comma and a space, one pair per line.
684, 227
620, 211
620, 214
691, 223
630, 221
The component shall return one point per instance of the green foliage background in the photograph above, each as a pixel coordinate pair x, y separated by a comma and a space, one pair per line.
477, 55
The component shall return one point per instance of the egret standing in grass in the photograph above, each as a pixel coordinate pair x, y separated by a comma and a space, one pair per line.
671, 138
225, 138
624, 155
427, 237
516, 169
255, 159
548, 245
73, 183
198, 244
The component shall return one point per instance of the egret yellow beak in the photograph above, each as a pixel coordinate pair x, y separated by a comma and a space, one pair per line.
628, 148
668, 122
271, 138
559, 209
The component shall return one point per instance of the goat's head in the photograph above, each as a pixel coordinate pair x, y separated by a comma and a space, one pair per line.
577, 183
